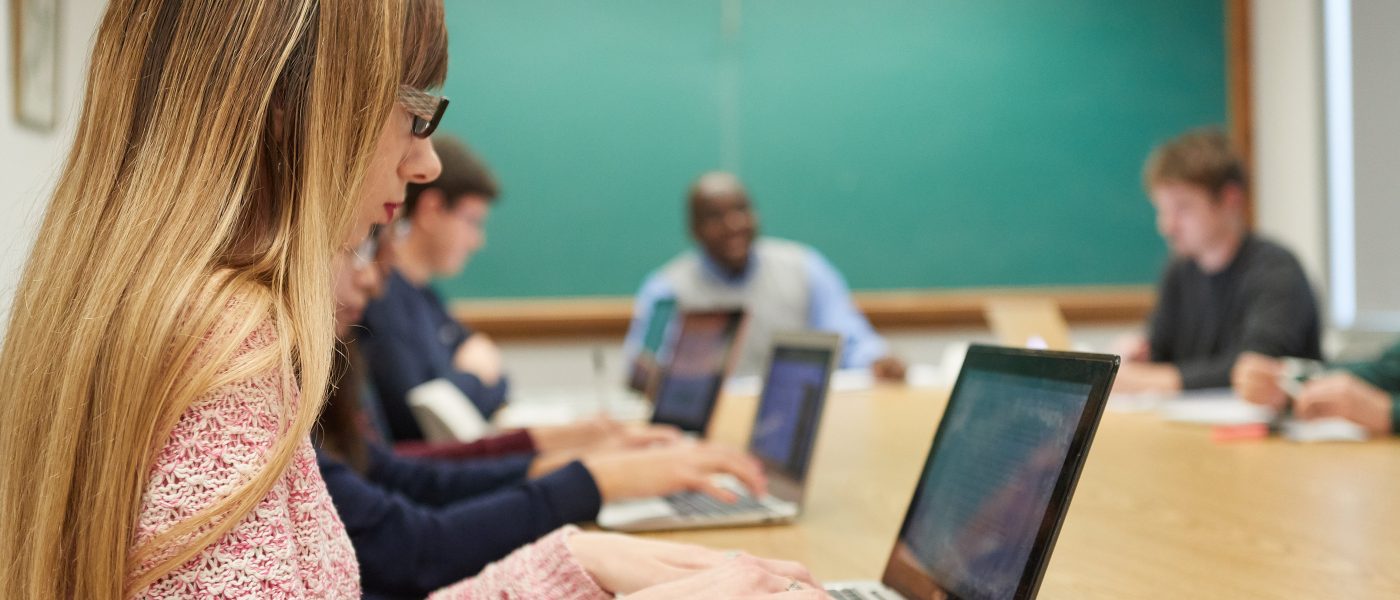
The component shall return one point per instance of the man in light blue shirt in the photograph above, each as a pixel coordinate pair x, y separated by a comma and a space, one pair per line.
783, 285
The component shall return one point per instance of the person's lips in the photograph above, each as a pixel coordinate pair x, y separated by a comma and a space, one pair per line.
389, 209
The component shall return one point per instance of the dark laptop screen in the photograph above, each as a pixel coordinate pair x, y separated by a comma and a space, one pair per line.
686, 396
998, 478
790, 408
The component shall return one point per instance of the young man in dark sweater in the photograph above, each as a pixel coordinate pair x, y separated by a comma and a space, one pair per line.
410, 338
1226, 290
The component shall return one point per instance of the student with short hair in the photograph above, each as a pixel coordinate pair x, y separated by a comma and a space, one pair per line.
783, 285
553, 441
409, 336
1226, 290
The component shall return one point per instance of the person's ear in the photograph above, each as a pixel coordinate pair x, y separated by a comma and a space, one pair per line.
1232, 197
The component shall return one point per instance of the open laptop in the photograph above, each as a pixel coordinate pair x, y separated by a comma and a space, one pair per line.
700, 359
1028, 323
705, 337
998, 479
783, 437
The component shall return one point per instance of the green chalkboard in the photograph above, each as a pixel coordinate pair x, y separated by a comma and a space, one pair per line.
918, 144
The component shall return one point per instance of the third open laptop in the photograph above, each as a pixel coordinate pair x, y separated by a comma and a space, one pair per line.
783, 437
702, 347
998, 479
699, 360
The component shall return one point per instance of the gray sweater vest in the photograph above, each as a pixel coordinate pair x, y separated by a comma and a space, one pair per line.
775, 295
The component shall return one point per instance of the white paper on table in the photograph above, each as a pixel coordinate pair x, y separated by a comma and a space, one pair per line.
1332, 429
1214, 407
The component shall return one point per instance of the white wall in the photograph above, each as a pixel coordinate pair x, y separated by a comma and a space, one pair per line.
28, 159
1290, 152
1289, 182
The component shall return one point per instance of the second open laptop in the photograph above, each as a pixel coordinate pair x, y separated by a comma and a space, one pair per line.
697, 359
783, 437
998, 479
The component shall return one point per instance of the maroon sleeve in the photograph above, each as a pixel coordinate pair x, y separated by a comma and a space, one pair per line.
517, 441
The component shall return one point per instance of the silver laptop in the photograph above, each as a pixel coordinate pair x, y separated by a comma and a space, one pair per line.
783, 436
998, 478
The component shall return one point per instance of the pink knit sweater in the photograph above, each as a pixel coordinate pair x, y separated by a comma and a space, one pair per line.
293, 545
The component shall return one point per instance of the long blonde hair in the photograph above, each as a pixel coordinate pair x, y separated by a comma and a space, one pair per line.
213, 175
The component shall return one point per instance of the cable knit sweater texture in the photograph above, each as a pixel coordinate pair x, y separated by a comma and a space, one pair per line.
293, 545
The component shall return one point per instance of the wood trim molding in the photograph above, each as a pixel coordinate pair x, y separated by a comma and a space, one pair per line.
537, 318
1239, 82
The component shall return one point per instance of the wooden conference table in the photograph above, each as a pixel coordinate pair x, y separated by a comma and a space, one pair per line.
1161, 510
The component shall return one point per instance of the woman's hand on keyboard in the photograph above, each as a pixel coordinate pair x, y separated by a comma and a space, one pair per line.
678, 467
652, 569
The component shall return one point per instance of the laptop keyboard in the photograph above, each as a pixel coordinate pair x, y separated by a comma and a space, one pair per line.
696, 504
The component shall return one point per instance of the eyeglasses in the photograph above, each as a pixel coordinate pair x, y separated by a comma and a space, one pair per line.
426, 109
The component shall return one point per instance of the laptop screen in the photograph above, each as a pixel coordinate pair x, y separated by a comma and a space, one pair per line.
999, 476
789, 410
686, 396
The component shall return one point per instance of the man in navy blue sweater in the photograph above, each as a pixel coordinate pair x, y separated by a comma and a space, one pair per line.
410, 337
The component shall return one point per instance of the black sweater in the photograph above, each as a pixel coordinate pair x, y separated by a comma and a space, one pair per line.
1261, 302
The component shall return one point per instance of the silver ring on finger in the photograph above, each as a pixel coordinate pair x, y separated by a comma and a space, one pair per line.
793, 585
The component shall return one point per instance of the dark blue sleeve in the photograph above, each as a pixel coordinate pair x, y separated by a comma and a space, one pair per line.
393, 363
403, 354
487, 398
406, 548
438, 483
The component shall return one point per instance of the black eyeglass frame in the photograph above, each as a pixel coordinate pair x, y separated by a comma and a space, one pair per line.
426, 109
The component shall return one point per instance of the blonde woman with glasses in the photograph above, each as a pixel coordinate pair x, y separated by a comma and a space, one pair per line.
169, 347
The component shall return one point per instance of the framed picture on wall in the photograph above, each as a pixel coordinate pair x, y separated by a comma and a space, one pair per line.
34, 33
